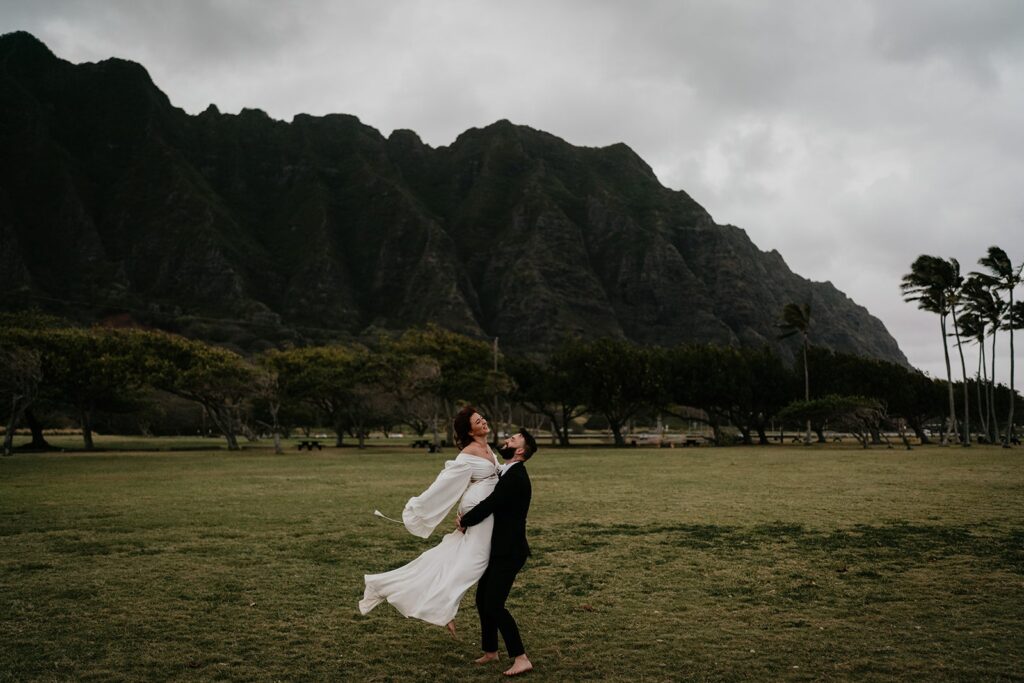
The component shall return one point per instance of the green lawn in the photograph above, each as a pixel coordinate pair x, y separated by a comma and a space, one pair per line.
649, 565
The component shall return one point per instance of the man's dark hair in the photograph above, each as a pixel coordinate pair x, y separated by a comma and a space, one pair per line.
529, 445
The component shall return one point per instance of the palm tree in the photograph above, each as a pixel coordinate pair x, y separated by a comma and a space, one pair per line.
981, 299
1006, 277
955, 297
930, 281
1014, 321
796, 319
972, 326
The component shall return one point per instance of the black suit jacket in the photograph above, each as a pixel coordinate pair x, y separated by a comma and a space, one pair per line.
509, 502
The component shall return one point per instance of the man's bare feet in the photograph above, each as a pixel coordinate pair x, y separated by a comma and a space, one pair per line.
451, 629
488, 657
520, 666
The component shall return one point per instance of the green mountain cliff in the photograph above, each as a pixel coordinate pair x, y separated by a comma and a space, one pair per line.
114, 202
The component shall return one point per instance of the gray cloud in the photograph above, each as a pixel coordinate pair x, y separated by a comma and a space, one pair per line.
849, 136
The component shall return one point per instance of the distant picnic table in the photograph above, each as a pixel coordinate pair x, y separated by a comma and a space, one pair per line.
310, 444
429, 445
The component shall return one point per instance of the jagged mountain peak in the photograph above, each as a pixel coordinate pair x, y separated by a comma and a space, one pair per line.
323, 227
22, 44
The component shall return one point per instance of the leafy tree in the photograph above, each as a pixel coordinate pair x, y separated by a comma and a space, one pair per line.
271, 385
35, 426
917, 399
772, 385
286, 385
465, 370
20, 377
217, 379
368, 399
744, 387
322, 376
858, 415
550, 389
796, 320
19, 329
94, 369
905, 393
698, 376
86, 369
355, 388
616, 379
407, 378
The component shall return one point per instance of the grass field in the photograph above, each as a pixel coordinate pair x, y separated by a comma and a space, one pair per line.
649, 565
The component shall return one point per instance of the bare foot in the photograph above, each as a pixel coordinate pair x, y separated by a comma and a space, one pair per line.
488, 657
520, 666
451, 629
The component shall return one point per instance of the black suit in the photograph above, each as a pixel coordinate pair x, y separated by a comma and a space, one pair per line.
509, 503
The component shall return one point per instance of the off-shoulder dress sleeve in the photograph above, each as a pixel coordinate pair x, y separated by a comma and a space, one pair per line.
423, 513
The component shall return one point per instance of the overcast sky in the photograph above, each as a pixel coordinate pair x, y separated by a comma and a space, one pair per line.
850, 135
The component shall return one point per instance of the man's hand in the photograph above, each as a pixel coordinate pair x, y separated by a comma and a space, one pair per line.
458, 523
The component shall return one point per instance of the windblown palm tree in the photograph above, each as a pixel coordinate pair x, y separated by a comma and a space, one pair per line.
973, 327
1007, 277
930, 282
1014, 321
981, 299
955, 301
796, 319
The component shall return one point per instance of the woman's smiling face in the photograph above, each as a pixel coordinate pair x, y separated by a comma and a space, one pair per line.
478, 425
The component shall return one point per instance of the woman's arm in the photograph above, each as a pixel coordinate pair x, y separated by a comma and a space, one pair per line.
424, 512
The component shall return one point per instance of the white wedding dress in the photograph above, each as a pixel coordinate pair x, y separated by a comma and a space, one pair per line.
431, 586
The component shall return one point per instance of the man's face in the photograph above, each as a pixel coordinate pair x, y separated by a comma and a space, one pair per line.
513, 446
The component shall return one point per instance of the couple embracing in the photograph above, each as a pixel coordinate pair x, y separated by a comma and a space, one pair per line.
488, 546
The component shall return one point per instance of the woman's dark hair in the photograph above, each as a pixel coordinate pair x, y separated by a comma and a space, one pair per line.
461, 426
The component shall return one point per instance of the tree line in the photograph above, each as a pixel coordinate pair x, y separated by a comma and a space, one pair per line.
420, 377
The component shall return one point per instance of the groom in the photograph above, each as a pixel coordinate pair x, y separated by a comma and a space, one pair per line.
509, 503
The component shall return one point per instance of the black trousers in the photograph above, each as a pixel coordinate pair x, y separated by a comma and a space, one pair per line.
491, 593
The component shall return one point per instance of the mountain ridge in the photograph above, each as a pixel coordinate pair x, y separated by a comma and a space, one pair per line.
113, 196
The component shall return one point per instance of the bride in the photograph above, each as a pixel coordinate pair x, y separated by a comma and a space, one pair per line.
431, 586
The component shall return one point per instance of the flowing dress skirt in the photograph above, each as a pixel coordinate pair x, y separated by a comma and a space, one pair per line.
431, 586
